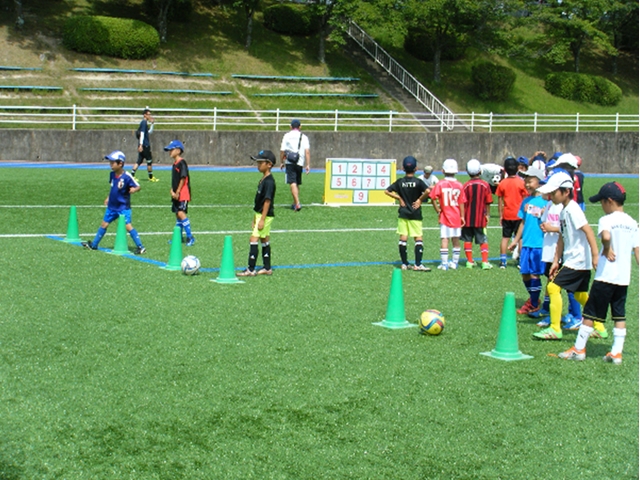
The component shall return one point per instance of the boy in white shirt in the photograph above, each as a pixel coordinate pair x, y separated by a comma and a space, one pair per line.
619, 235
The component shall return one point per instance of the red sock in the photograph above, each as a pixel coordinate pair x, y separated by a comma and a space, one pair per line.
484, 251
468, 251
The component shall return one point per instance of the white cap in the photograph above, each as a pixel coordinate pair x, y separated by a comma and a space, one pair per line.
538, 164
567, 159
556, 181
535, 172
450, 166
473, 167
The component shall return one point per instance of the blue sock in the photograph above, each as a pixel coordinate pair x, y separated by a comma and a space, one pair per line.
179, 224
527, 285
186, 224
136, 237
503, 258
574, 306
536, 288
545, 304
99, 234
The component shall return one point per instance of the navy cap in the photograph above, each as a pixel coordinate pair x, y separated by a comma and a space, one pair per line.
174, 144
523, 160
612, 190
264, 156
115, 156
409, 164
295, 123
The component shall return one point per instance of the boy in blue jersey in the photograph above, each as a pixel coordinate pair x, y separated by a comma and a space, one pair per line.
531, 265
118, 202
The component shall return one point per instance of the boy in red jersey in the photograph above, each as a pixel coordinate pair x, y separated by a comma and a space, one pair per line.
476, 214
510, 194
180, 188
448, 201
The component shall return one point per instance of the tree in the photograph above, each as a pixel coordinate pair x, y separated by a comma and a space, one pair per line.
324, 9
19, 13
249, 8
161, 8
620, 21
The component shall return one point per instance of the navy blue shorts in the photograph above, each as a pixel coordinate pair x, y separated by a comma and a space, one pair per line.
179, 206
531, 261
111, 215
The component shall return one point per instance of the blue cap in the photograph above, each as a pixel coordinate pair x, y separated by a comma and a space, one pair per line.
295, 123
116, 156
409, 164
523, 160
174, 144
556, 155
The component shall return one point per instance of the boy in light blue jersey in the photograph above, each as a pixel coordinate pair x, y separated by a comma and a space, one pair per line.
123, 184
531, 265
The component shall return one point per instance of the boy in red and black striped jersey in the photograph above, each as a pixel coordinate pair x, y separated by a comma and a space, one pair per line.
476, 214
180, 189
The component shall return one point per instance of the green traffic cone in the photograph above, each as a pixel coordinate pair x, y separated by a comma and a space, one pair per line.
227, 266
507, 343
175, 254
121, 247
72, 226
395, 317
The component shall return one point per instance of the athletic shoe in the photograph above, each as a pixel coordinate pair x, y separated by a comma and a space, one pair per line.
571, 322
548, 334
503, 266
527, 307
545, 322
443, 266
191, 242
421, 268
247, 273
471, 264
89, 246
264, 271
153, 179
599, 334
611, 358
486, 266
573, 354
297, 208
453, 265
293, 206
405, 266
140, 250
539, 313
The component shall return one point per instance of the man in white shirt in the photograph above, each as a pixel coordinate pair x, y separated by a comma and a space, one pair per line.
295, 154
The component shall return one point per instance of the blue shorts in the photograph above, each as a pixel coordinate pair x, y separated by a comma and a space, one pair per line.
111, 215
531, 261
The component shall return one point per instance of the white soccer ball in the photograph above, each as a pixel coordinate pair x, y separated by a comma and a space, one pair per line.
190, 265
495, 180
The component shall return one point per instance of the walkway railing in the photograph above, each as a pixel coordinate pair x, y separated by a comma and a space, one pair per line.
422, 95
76, 117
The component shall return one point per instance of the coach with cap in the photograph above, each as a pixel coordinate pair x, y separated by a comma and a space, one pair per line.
294, 154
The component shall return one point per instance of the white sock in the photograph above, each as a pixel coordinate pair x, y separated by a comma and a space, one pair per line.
618, 340
444, 256
583, 335
456, 255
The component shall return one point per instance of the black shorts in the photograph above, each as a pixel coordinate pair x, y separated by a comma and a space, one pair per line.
510, 228
179, 206
572, 280
145, 154
467, 234
600, 297
294, 173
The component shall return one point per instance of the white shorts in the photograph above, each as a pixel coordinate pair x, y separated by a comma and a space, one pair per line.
449, 232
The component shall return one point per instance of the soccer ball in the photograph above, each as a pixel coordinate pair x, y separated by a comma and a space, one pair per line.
431, 322
495, 180
190, 265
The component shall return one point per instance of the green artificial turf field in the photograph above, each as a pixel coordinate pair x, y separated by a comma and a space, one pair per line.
115, 368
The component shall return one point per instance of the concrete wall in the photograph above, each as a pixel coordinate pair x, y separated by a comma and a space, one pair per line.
602, 152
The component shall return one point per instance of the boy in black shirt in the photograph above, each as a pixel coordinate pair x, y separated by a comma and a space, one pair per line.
263, 216
410, 191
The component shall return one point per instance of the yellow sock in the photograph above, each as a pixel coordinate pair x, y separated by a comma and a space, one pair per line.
555, 305
599, 326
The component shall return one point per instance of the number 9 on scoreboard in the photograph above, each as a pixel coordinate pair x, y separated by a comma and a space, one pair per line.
358, 181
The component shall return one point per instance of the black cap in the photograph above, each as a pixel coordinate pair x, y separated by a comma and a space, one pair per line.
264, 155
612, 190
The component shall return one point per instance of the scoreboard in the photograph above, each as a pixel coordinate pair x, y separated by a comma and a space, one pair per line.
358, 181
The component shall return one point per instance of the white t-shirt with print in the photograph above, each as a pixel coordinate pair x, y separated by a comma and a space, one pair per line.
577, 254
429, 182
290, 144
551, 216
624, 238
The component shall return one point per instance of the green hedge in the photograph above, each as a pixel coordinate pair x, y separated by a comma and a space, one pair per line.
581, 87
291, 19
491, 81
115, 37
418, 43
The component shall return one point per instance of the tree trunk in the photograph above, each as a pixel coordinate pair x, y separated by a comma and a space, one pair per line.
436, 63
249, 29
321, 47
162, 20
575, 49
19, 14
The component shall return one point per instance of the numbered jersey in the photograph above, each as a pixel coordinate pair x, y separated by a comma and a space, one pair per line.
410, 189
450, 196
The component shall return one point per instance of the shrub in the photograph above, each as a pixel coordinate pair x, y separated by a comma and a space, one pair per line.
419, 44
491, 81
291, 19
116, 37
581, 87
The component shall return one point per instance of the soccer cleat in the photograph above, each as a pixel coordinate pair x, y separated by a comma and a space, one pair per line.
453, 265
544, 322
548, 334
486, 266
297, 208
405, 266
571, 323
140, 250
503, 266
247, 273
443, 266
611, 358
421, 268
470, 264
89, 246
599, 334
542, 312
154, 179
527, 307
191, 242
293, 206
573, 354
265, 271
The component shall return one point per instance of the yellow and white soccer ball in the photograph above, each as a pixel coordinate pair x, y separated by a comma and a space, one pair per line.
431, 322
190, 265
